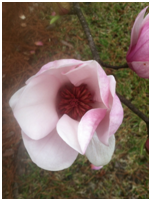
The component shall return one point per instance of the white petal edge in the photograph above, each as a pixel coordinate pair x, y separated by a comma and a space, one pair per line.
15, 97
64, 65
51, 152
98, 153
67, 129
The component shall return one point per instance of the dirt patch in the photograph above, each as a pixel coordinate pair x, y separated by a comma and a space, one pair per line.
23, 25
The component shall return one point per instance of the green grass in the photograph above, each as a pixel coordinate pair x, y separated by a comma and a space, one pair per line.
126, 176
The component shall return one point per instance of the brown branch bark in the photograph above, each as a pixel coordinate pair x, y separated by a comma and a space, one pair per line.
90, 39
134, 109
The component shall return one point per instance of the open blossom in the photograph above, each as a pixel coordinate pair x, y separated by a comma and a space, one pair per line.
138, 53
68, 107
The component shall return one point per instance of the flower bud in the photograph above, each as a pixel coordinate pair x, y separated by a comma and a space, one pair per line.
138, 53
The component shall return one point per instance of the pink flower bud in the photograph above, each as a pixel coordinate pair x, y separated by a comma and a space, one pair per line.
138, 53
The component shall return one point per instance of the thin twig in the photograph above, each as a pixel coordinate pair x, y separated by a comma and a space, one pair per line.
135, 110
113, 67
90, 39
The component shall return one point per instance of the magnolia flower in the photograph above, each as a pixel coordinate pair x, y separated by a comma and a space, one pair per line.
138, 53
68, 107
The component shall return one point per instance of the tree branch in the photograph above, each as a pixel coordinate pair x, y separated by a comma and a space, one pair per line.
90, 39
134, 109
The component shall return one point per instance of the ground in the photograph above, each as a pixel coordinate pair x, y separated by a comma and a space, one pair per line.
126, 176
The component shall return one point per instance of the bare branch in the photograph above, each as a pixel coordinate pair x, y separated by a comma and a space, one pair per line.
90, 39
135, 110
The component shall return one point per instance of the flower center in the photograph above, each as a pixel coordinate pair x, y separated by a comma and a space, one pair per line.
75, 101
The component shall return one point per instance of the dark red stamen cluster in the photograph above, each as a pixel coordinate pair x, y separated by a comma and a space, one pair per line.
75, 101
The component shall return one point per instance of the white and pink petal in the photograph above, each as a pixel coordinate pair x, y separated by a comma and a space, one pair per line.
67, 129
51, 152
116, 116
141, 68
112, 89
62, 63
79, 134
111, 122
93, 167
88, 125
35, 109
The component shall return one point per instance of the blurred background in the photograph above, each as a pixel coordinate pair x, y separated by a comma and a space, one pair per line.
31, 37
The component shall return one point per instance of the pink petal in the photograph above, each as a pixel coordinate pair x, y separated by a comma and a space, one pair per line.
39, 43
112, 88
58, 68
93, 167
98, 153
141, 68
51, 152
146, 19
64, 64
67, 128
92, 74
112, 121
140, 51
116, 116
88, 125
137, 27
35, 109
